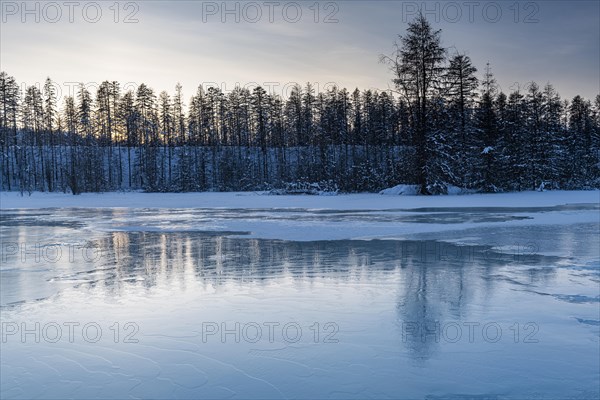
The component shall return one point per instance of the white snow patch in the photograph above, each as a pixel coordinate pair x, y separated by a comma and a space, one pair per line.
364, 201
454, 190
407, 190
412, 190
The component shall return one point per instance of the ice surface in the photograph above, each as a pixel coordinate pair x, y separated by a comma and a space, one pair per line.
450, 297
262, 200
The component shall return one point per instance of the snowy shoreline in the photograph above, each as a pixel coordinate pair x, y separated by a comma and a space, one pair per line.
260, 200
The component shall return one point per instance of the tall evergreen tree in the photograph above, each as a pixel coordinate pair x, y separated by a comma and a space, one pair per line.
417, 65
583, 163
9, 115
487, 161
461, 93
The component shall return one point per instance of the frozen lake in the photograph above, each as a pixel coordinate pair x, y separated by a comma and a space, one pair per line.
447, 300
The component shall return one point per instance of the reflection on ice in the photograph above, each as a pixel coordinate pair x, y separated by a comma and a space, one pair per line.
484, 313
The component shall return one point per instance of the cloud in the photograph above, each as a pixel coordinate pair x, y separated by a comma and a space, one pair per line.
172, 43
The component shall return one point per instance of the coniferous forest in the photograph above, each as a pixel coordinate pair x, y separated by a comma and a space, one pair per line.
444, 123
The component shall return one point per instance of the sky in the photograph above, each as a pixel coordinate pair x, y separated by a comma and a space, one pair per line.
276, 44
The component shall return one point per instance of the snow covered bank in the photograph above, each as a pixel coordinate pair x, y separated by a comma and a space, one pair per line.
367, 201
412, 190
406, 190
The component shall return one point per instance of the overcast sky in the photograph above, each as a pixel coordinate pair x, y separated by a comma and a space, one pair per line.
277, 43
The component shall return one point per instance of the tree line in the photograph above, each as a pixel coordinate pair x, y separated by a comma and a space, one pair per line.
441, 125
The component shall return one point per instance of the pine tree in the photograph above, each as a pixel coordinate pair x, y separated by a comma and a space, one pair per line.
487, 161
145, 104
536, 141
9, 110
179, 116
514, 158
583, 166
167, 130
260, 121
71, 124
464, 146
50, 170
417, 65
553, 131
33, 125
441, 166
129, 122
